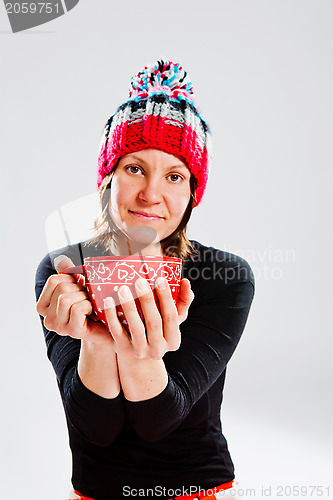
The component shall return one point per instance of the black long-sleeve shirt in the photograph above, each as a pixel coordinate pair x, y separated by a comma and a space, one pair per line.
173, 441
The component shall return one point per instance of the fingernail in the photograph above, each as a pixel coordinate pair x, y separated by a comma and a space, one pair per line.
125, 292
161, 283
65, 263
108, 303
142, 285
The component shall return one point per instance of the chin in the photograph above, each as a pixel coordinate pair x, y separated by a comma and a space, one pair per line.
143, 234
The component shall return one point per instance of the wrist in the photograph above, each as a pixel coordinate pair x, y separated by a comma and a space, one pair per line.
98, 369
140, 364
98, 348
142, 379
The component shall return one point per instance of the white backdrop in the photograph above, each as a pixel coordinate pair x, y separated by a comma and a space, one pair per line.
262, 74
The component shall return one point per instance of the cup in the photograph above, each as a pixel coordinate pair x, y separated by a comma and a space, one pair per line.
103, 276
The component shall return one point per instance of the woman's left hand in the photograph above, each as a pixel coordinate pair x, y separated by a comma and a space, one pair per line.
162, 332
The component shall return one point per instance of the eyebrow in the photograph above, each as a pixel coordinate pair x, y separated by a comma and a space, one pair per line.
180, 165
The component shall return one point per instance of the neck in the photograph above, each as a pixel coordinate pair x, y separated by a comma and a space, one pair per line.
122, 245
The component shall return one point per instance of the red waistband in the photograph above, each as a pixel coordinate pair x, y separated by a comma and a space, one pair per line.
207, 494
202, 495
82, 497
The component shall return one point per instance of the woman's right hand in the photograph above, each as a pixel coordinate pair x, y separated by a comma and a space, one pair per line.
65, 306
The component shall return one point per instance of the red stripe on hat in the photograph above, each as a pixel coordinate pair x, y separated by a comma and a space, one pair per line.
155, 132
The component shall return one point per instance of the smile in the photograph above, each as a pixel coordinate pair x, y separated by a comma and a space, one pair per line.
145, 217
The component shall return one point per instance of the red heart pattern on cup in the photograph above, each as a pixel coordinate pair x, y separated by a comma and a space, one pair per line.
104, 276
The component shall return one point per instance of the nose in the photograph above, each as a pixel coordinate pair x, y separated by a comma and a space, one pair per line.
151, 190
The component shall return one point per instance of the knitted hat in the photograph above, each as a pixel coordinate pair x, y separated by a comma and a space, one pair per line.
160, 113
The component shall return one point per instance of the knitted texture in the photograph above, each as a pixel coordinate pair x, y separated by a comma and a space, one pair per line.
160, 113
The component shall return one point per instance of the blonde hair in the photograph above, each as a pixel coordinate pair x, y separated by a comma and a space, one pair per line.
174, 245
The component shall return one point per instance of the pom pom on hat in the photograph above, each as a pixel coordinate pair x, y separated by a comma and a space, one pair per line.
164, 76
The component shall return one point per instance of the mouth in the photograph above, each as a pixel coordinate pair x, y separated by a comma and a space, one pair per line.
142, 216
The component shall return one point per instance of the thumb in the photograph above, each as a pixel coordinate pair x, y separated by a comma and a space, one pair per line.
186, 294
62, 262
184, 299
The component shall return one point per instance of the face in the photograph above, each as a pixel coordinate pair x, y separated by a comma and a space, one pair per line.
150, 191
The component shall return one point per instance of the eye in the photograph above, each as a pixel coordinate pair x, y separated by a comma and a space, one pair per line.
179, 178
131, 167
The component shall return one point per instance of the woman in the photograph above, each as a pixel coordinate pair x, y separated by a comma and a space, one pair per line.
143, 410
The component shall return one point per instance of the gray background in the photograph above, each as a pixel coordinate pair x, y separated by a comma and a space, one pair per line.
262, 72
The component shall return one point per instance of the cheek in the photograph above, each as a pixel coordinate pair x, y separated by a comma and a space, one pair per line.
117, 195
121, 192
185, 197
114, 202
179, 204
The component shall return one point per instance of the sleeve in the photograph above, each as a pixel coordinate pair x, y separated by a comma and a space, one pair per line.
96, 419
210, 334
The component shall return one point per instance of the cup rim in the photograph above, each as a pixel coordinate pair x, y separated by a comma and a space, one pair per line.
113, 258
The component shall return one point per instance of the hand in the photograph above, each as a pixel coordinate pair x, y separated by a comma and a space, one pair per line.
185, 299
65, 306
162, 332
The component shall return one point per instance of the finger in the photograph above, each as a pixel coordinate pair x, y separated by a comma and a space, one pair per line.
58, 313
154, 326
53, 281
118, 332
169, 314
135, 324
64, 287
185, 299
62, 262
66, 302
78, 317
51, 310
